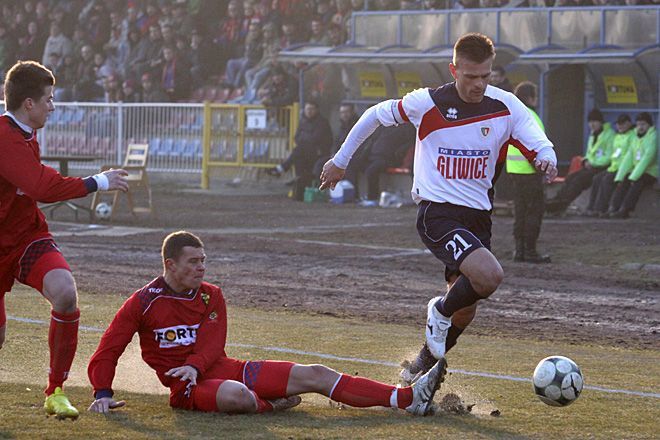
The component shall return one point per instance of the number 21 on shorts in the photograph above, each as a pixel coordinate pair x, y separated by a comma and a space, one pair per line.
457, 246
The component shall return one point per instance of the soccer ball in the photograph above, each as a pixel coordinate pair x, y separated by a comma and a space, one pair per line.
103, 211
557, 381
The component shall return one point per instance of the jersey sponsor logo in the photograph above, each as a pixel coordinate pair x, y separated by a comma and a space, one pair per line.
452, 113
155, 289
462, 164
205, 298
176, 336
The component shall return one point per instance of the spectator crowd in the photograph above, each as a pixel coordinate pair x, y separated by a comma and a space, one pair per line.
162, 50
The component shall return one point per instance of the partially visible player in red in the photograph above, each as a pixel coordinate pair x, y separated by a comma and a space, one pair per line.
27, 250
182, 324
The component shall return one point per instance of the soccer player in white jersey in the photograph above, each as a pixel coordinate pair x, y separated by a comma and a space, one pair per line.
463, 131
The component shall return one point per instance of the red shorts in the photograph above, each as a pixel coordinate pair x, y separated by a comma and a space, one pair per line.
268, 379
30, 266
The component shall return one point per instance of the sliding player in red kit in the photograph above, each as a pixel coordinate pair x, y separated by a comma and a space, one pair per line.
182, 325
27, 250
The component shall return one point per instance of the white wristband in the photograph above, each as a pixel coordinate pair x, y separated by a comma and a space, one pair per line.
102, 182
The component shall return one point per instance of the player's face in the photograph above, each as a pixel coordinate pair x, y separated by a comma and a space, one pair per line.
39, 110
188, 270
471, 78
642, 127
595, 126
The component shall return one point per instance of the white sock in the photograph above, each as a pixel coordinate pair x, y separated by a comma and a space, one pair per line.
394, 398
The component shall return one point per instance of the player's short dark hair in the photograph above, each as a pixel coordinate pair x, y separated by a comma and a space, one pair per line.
175, 242
26, 79
525, 91
623, 118
475, 47
595, 115
646, 117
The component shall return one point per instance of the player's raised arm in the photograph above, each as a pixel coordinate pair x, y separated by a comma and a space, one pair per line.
386, 113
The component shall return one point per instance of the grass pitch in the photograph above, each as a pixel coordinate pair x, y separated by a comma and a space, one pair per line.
258, 334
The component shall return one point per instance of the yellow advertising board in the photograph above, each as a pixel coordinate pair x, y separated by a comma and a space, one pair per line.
620, 89
372, 84
406, 82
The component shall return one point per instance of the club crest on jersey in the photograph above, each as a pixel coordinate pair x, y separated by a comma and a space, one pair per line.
205, 298
176, 336
485, 131
452, 113
213, 316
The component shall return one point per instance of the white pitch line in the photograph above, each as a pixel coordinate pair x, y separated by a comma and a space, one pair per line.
372, 361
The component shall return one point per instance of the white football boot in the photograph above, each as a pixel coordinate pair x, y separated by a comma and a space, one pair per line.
436, 329
424, 389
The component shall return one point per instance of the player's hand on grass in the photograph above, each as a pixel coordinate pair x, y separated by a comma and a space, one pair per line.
548, 168
185, 372
104, 405
117, 179
330, 175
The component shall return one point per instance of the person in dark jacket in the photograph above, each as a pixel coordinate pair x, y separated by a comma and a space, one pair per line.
280, 89
388, 147
347, 119
313, 140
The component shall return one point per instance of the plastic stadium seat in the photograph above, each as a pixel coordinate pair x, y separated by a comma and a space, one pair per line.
210, 94
179, 147
154, 145
236, 93
198, 95
166, 147
576, 165
222, 95
78, 116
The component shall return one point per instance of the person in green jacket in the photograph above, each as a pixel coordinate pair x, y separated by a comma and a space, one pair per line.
603, 184
528, 195
597, 159
638, 170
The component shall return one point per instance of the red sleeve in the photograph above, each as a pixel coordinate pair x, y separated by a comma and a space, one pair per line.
102, 365
21, 167
211, 336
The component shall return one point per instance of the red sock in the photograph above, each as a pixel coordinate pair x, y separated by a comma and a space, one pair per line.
361, 392
262, 405
62, 341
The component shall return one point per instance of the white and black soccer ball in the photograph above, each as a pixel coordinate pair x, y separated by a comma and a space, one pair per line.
103, 211
557, 381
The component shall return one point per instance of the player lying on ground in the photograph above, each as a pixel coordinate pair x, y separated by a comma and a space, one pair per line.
182, 325
27, 250
463, 131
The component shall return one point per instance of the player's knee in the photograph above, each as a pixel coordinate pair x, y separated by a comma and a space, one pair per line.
319, 378
61, 292
489, 280
235, 397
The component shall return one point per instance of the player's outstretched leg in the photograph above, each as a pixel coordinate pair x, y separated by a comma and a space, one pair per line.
481, 275
361, 392
60, 289
424, 389
425, 360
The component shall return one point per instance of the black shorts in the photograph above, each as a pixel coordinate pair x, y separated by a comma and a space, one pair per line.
453, 232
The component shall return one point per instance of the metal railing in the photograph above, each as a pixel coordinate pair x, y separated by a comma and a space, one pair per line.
173, 132
575, 28
246, 135
181, 137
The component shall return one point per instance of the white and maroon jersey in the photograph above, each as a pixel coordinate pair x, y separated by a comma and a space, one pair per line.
460, 147
175, 329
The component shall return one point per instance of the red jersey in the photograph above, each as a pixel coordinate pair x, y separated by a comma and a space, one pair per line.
24, 181
175, 329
